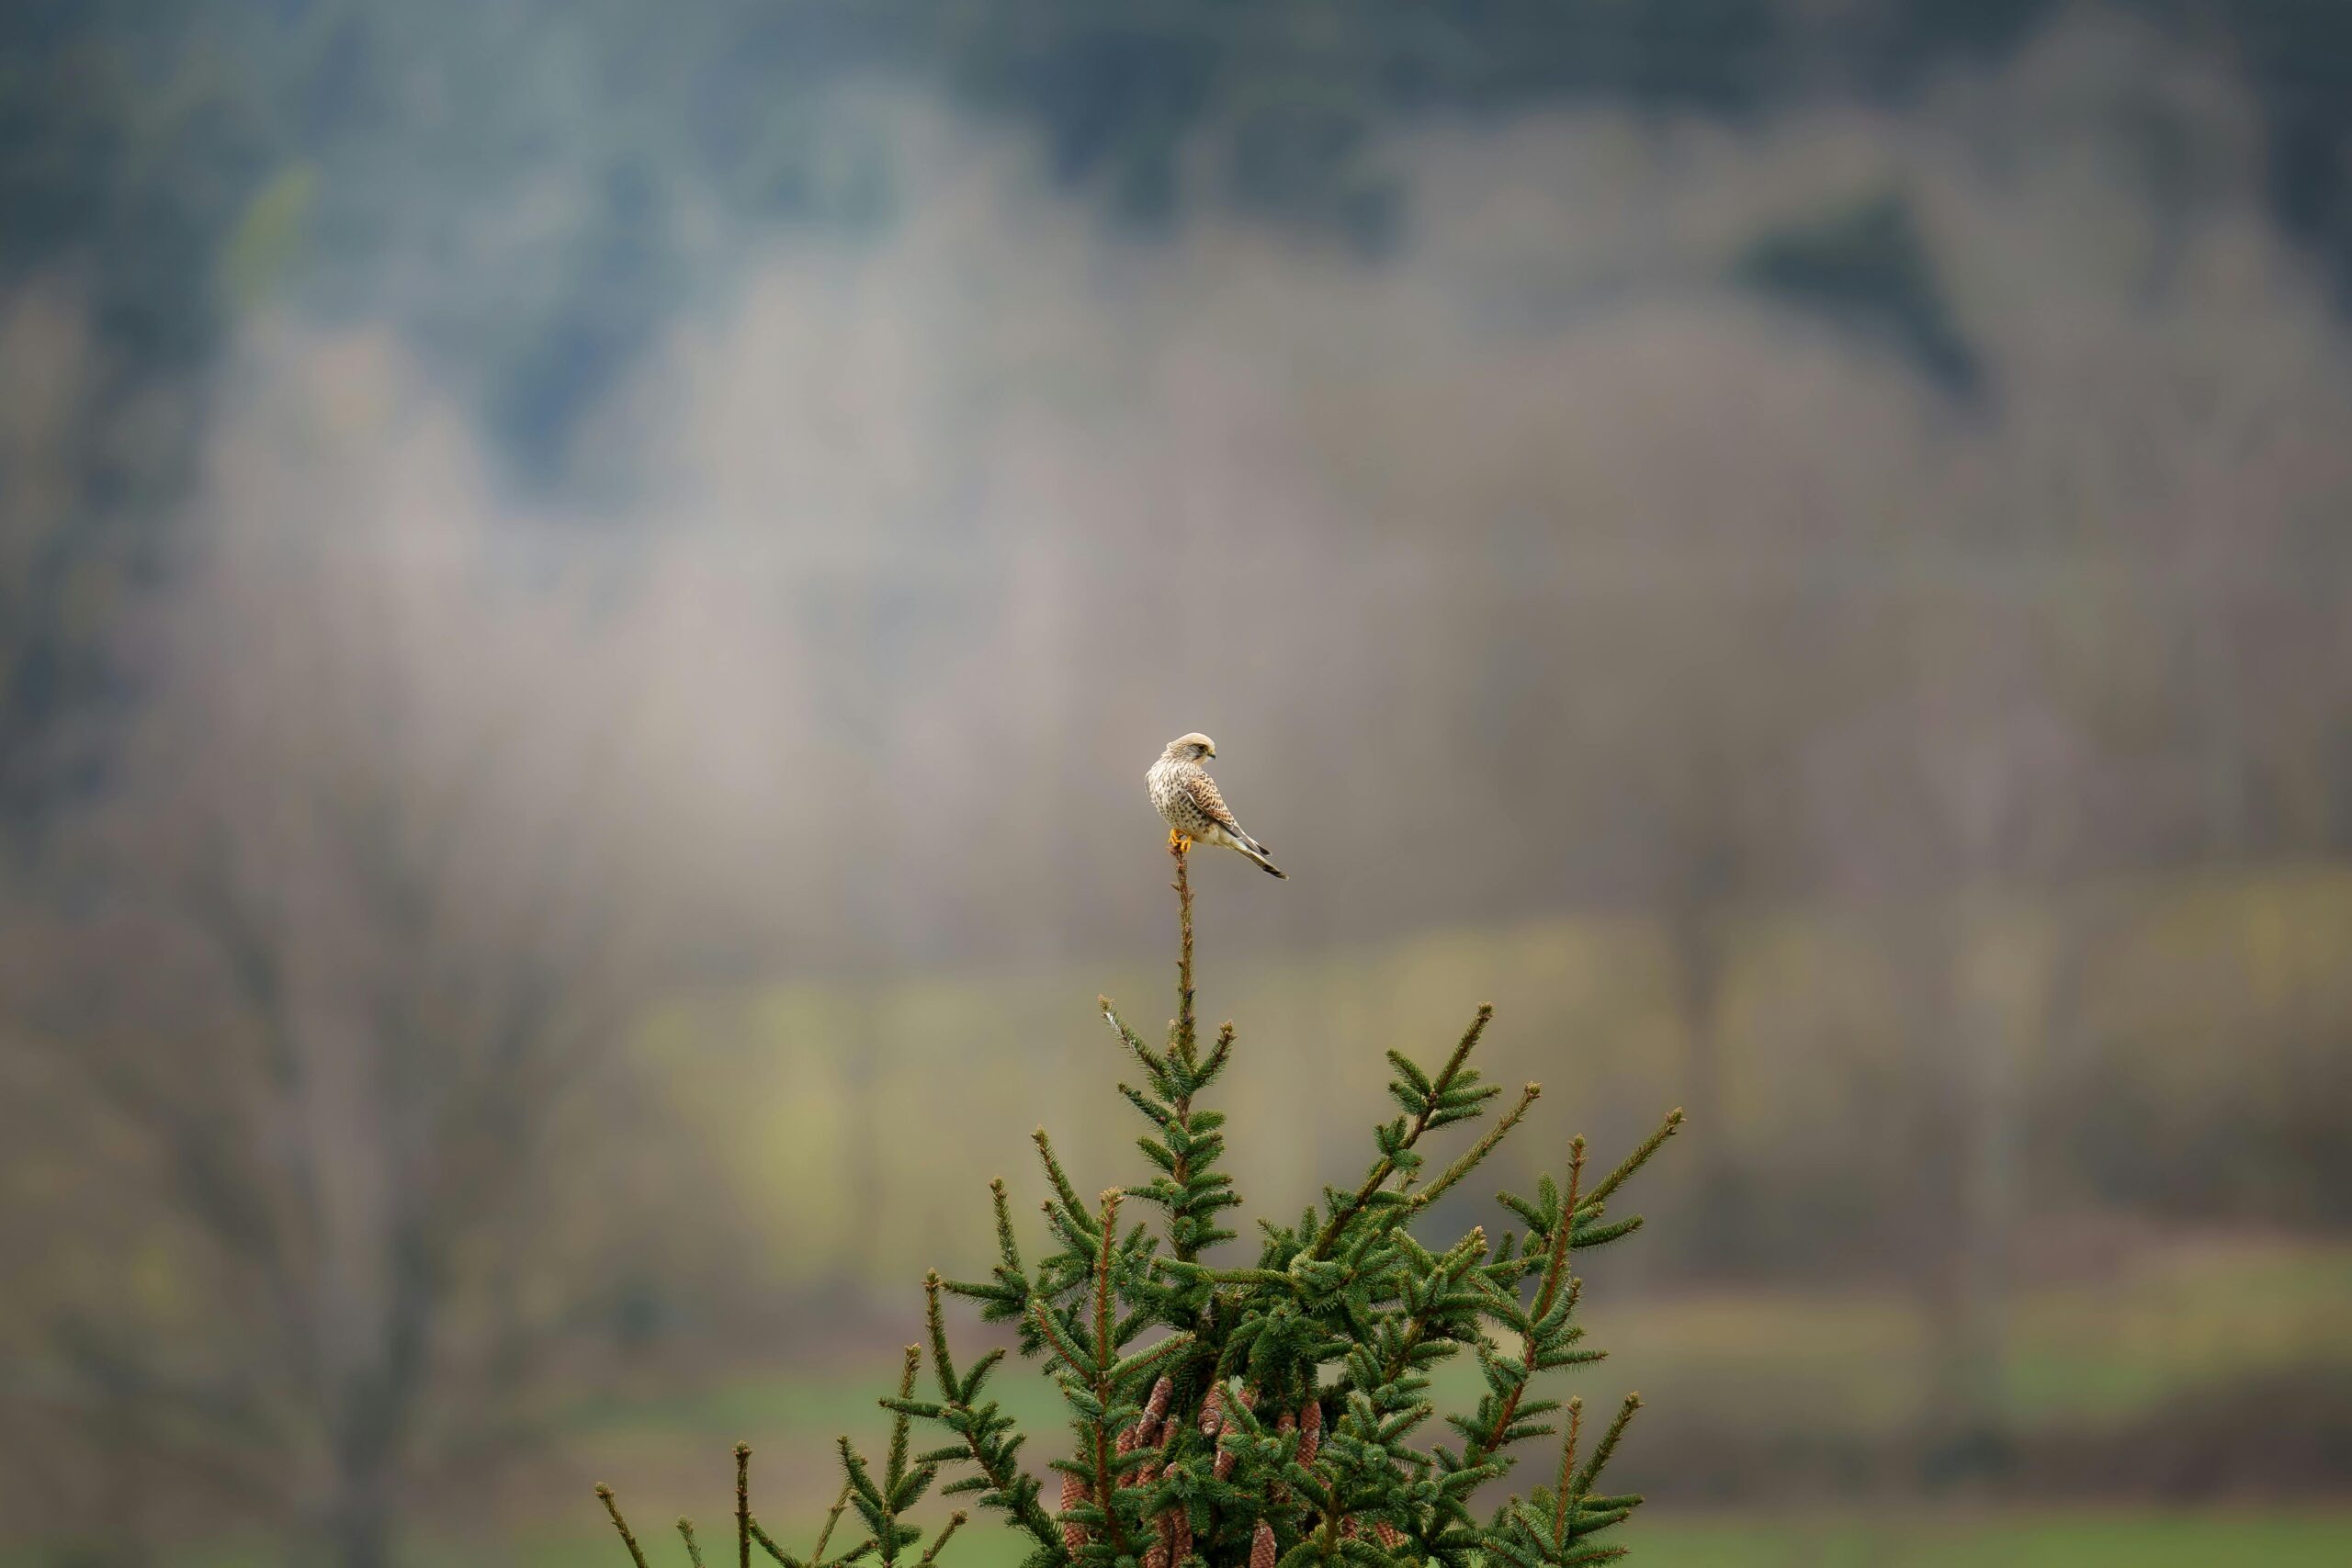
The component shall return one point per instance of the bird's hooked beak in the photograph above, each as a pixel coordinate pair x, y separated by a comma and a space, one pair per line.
1209, 751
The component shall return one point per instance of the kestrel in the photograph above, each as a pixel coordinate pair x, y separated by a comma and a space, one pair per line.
1188, 798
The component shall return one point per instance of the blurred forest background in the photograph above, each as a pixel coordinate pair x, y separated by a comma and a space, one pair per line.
585, 590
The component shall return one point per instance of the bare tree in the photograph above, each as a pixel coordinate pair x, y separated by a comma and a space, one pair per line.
342, 978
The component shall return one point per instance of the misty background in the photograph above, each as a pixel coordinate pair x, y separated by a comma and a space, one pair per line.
585, 591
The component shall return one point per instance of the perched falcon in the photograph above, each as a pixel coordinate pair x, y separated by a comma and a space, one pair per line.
1188, 798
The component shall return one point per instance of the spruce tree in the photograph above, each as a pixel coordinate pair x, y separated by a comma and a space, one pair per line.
1278, 1414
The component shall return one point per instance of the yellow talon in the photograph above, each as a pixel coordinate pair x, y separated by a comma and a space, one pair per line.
1177, 843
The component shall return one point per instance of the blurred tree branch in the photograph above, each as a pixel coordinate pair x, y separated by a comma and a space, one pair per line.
346, 972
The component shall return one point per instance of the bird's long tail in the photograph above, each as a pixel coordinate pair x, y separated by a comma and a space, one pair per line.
1257, 853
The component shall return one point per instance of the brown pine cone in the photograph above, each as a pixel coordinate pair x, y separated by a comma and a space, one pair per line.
1145, 1430
1262, 1546
1174, 1542
1310, 1431
1073, 1494
1390, 1536
1213, 1412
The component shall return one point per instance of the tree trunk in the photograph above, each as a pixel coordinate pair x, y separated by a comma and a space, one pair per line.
358, 1524
1966, 1143
1698, 936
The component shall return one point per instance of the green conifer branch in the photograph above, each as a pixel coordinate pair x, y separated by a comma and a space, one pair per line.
1072, 1209
1540, 1327
771, 1548
832, 1517
896, 1472
1184, 1146
1608, 1444
1005, 1242
982, 1433
1476, 1152
1219, 1052
1563, 1495
955, 1522
742, 1506
613, 1507
1105, 1356
1436, 1103
1638, 1159
1469, 1251
1183, 1032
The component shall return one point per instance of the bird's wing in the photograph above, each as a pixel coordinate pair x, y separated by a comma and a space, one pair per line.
1203, 790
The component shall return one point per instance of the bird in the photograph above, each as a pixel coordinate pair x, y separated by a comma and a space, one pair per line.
1187, 798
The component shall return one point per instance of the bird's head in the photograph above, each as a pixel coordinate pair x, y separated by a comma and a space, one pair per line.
1191, 748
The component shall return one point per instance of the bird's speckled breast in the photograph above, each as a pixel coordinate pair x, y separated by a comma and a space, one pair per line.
1173, 801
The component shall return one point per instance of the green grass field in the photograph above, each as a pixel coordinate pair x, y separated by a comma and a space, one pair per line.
2056, 1540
